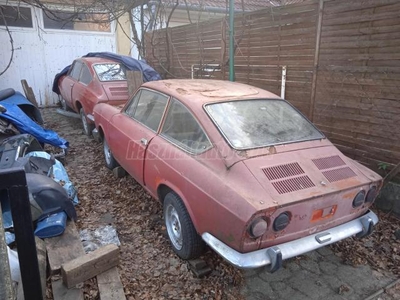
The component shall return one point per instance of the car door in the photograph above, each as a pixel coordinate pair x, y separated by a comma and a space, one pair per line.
81, 91
69, 82
132, 130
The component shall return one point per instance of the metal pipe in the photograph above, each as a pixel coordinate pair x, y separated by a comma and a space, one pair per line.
197, 7
283, 85
6, 289
231, 40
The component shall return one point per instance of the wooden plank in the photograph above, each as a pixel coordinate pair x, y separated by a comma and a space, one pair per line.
29, 92
134, 80
90, 265
64, 248
61, 292
110, 286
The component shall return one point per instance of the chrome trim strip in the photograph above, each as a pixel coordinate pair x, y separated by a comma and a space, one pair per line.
290, 249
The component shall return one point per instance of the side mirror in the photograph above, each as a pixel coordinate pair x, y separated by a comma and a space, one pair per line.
2, 109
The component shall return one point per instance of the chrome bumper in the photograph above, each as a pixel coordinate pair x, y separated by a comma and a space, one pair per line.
274, 255
96, 135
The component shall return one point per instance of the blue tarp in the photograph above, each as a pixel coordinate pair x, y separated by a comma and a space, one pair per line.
149, 74
26, 125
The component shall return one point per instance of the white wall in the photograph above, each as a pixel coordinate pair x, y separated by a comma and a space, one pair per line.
40, 54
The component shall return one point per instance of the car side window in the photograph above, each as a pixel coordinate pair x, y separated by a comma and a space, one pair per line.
130, 109
182, 128
86, 77
150, 108
76, 70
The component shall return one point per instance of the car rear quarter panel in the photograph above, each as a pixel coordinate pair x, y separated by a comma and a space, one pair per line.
209, 190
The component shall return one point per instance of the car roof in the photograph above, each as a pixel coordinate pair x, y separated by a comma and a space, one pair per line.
202, 91
95, 60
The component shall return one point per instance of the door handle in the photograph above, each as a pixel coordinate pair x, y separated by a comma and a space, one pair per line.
144, 141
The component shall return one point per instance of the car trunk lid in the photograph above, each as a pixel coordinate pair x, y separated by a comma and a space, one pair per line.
295, 176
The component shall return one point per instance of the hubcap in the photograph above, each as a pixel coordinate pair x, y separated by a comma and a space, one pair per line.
174, 228
107, 153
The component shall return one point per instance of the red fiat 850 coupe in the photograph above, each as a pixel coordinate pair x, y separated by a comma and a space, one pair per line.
89, 81
239, 169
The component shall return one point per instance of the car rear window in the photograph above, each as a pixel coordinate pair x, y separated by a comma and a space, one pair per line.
110, 71
249, 124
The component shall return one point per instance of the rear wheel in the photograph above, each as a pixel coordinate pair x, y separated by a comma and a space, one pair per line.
181, 232
111, 163
87, 127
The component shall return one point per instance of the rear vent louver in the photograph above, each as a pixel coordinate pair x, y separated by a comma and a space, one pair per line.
297, 181
119, 91
339, 174
328, 162
332, 168
283, 171
293, 184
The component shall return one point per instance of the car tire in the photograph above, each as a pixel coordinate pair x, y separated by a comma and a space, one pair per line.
63, 104
109, 159
87, 127
185, 240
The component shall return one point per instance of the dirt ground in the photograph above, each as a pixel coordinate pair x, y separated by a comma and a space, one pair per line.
148, 267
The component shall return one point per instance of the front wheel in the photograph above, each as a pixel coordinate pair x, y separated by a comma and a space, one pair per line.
87, 127
181, 232
111, 163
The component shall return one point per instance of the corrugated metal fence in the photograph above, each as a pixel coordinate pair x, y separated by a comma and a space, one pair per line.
342, 58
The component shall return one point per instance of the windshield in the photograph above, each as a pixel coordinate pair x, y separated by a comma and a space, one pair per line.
251, 124
110, 71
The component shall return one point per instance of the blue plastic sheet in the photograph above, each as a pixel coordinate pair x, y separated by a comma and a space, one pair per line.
26, 125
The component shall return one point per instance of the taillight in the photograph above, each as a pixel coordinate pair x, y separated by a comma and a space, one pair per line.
282, 221
371, 195
359, 199
257, 227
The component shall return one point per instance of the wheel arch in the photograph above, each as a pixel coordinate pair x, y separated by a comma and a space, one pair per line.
164, 188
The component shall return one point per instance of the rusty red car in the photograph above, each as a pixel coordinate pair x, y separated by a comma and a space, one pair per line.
89, 81
239, 169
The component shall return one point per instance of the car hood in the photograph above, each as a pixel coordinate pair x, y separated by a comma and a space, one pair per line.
294, 176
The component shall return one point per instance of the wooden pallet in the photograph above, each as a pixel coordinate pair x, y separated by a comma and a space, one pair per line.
67, 247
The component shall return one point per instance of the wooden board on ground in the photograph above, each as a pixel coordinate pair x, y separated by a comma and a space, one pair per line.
135, 80
90, 265
61, 292
64, 248
29, 92
110, 286
68, 247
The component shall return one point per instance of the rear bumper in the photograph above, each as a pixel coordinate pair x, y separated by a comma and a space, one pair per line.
274, 255
96, 135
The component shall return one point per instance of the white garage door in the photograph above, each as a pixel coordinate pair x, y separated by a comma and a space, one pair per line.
43, 47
